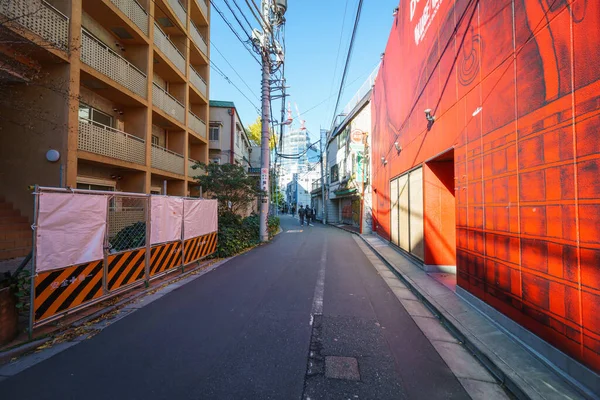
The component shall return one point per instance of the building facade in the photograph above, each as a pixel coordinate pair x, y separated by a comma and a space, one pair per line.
348, 169
228, 139
117, 91
486, 156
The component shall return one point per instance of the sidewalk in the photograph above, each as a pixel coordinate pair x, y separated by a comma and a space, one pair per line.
526, 376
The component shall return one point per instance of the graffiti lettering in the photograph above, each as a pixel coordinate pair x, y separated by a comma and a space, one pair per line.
424, 22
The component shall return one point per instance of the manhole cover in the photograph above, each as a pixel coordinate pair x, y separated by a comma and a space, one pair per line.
294, 231
342, 368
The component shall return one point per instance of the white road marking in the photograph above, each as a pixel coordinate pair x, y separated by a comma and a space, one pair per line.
317, 306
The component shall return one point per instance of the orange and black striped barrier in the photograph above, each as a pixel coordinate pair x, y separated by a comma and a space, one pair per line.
126, 268
165, 257
67, 288
199, 247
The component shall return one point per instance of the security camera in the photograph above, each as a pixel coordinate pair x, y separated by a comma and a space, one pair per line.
428, 115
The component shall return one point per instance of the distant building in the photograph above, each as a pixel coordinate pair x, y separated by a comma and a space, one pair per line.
228, 139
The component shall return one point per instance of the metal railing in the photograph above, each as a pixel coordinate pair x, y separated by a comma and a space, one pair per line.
169, 104
203, 7
179, 10
104, 140
362, 91
104, 60
198, 81
135, 12
316, 185
162, 41
191, 171
199, 39
39, 17
167, 160
197, 124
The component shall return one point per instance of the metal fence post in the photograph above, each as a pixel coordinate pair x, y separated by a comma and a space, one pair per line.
106, 247
148, 247
182, 237
36, 207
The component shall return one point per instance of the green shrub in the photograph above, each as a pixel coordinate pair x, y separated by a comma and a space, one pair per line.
237, 234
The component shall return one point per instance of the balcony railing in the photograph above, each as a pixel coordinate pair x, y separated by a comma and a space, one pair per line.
135, 12
179, 10
198, 81
104, 60
167, 103
203, 7
39, 17
199, 39
191, 171
316, 185
168, 48
104, 140
167, 160
196, 124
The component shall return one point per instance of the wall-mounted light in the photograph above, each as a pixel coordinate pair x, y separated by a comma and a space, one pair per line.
398, 147
52, 155
383, 160
382, 55
395, 12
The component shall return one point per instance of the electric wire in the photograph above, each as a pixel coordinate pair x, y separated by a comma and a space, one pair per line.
348, 56
217, 69
249, 35
234, 70
243, 15
337, 56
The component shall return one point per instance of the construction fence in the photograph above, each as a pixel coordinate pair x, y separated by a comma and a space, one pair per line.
91, 245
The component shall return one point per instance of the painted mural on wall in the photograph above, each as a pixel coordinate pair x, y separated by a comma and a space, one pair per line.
514, 86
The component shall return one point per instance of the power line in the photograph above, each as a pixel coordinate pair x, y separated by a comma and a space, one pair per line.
243, 15
234, 32
337, 56
238, 21
348, 56
234, 70
214, 66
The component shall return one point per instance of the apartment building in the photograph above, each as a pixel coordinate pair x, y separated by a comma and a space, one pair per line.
103, 94
228, 139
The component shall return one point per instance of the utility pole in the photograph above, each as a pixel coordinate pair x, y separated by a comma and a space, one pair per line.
272, 16
323, 176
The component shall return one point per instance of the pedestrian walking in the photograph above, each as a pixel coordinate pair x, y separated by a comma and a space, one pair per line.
293, 211
309, 214
301, 214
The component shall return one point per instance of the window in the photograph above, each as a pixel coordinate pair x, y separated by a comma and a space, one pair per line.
155, 140
89, 186
94, 115
334, 173
343, 137
213, 132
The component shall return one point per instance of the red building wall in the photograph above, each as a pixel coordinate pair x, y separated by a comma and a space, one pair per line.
515, 88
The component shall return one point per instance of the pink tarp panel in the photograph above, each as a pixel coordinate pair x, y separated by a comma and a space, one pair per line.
199, 218
70, 230
166, 215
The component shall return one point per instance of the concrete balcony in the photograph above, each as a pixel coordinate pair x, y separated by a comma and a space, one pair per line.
104, 60
40, 18
167, 160
191, 171
179, 10
196, 124
168, 103
104, 140
198, 82
203, 7
135, 12
168, 48
199, 39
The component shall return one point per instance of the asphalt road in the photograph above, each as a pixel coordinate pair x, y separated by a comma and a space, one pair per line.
249, 330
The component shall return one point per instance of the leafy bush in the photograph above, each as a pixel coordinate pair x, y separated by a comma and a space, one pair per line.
237, 234
130, 237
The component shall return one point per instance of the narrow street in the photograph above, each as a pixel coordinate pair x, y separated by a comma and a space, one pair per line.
258, 327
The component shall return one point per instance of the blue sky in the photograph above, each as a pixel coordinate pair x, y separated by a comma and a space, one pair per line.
312, 36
